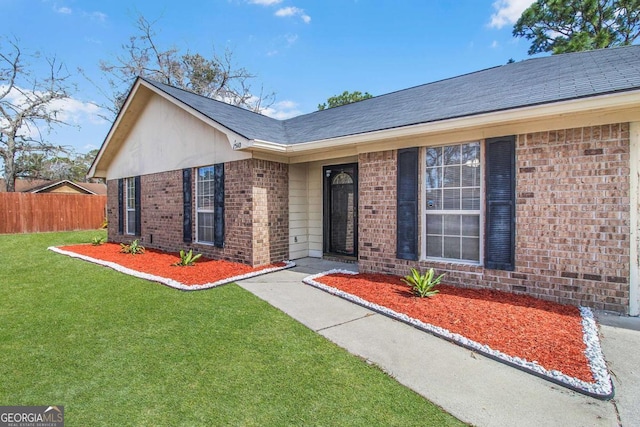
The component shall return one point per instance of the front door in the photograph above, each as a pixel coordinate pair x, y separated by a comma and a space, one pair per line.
341, 209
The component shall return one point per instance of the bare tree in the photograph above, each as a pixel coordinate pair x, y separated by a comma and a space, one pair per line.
216, 78
29, 107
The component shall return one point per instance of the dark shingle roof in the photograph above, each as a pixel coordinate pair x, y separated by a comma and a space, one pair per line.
527, 83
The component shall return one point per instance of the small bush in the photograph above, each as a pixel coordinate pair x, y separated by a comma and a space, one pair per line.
97, 240
423, 285
187, 258
134, 248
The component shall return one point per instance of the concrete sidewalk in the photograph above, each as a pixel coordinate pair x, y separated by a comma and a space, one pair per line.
473, 388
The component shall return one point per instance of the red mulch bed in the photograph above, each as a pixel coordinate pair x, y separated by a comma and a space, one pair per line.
159, 264
548, 333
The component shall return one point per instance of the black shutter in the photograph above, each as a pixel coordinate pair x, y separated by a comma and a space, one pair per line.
136, 183
120, 206
500, 221
187, 235
407, 204
218, 205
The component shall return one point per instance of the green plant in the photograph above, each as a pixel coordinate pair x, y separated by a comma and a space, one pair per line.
97, 240
423, 285
134, 248
187, 258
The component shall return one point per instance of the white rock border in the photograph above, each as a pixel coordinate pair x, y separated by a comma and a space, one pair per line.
166, 281
602, 388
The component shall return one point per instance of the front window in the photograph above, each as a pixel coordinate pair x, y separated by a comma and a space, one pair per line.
205, 193
131, 205
453, 200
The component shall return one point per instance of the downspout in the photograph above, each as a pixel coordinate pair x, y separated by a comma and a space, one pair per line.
634, 240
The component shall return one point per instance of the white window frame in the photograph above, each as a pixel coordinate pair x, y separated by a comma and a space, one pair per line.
130, 205
423, 208
200, 210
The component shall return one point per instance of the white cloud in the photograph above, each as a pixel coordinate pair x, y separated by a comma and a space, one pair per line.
282, 110
75, 112
264, 2
63, 10
507, 12
495, 44
97, 16
69, 110
293, 11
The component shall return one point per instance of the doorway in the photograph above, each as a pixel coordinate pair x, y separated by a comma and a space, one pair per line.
341, 210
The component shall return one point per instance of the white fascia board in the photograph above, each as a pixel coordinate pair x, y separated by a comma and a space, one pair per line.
576, 106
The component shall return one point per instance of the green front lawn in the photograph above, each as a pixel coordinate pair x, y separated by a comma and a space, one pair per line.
120, 351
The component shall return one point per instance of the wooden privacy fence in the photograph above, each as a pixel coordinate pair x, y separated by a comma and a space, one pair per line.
32, 213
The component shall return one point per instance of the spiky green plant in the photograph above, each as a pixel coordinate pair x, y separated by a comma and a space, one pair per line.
134, 248
423, 285
187, 258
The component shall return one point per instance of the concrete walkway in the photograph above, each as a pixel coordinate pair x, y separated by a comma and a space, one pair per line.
471, 387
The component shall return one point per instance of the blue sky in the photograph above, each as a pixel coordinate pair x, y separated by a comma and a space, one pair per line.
305, 51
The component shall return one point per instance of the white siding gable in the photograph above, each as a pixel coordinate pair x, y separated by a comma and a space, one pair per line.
166, 137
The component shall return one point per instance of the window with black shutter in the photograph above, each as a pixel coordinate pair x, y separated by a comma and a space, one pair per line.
500, 203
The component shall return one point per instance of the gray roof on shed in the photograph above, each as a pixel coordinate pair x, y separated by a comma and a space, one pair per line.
527, 83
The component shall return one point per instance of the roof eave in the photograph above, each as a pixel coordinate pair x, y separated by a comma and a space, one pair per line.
618, 100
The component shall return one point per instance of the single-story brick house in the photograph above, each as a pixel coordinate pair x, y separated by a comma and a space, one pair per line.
522, 177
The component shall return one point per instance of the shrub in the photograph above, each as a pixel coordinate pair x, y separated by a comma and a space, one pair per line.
187, 258
134, 248
423, 285
97, 240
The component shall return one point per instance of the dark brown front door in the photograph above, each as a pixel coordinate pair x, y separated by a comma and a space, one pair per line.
341, 209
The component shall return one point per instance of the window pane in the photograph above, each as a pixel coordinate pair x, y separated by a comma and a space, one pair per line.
451, 154
471, 199
434, 224
452, 225
470, 176
434, 199
451, 199
205, 227
471, 153
434, 156
434, 246
471, 249
433, 178
452, 247
131, 222
471, 225
452, 176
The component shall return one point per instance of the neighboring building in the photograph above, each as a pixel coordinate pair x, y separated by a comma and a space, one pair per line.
522, 178
61, 186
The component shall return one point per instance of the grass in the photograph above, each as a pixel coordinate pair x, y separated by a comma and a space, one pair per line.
116, 350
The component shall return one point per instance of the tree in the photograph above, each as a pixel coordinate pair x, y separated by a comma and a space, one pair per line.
216, 77
29, 108
560, 26
57, 166
344, 99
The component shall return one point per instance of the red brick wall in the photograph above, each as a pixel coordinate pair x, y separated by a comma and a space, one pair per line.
256, 228
271, 212
572, 216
